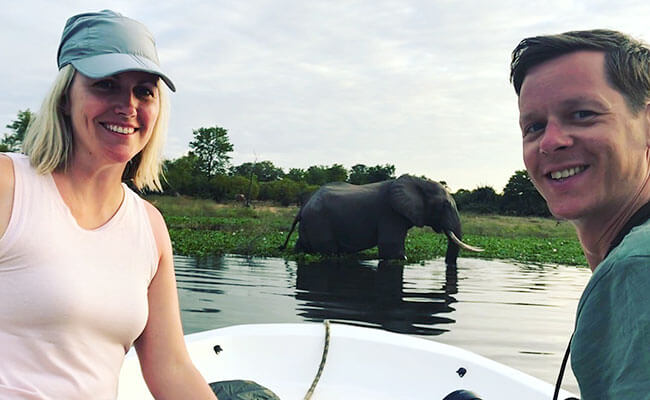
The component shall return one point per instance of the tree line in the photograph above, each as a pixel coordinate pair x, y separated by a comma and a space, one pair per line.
205, 171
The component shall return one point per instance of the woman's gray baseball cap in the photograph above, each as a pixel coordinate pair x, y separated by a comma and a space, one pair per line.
105, 43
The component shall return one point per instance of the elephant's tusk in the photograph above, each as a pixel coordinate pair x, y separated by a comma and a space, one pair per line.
465, 246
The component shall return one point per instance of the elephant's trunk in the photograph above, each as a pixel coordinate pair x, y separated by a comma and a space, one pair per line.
452, 252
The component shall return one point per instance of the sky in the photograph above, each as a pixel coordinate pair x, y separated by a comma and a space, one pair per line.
422, 85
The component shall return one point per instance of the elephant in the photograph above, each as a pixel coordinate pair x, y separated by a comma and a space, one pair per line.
344, 218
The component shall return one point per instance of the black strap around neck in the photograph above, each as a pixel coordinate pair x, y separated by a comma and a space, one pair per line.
565, 359
639, 217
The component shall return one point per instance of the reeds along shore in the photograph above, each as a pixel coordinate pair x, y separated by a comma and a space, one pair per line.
200, 227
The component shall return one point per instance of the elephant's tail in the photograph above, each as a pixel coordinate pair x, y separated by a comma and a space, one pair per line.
293, 226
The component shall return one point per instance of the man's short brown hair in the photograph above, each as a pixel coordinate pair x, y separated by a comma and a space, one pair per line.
627, 60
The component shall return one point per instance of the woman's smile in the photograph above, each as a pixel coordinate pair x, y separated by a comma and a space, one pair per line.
122, 130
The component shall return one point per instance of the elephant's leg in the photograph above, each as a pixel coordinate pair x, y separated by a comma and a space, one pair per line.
301, 246
391, 233
316, 235
326, 245
391, 251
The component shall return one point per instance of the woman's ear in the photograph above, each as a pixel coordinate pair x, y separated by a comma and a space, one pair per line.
64, 105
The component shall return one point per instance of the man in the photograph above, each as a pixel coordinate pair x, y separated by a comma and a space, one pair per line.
584, 104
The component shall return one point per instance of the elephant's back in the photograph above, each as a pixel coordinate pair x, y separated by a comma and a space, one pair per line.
342, 217
342, 191
350, 212
332, 198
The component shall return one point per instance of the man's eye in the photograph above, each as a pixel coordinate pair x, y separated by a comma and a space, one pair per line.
535, 127
583, 114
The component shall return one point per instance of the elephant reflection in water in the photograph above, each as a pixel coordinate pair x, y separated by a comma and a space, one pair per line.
344, 218
350, 290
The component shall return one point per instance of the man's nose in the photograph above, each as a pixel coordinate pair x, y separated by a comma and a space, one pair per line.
555, 138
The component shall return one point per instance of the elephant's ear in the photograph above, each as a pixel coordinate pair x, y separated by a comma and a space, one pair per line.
406, 198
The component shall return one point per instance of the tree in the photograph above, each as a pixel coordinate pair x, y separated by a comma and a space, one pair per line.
482, 200
336, 173
380, 173
316, 175
296, 174
461, 197
321, 174
520, 197
265, 171
225, 187
361, 174
13, 141
358, 174
285, 191
211, 146
183, 176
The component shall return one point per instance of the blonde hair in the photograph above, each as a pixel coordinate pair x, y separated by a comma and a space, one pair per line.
49, 145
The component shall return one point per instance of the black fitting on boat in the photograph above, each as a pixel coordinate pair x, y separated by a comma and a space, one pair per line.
461, 395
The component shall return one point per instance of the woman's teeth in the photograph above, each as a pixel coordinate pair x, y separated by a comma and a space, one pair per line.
119, 129
566, 172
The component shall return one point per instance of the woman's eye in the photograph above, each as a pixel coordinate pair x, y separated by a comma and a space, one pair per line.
143, 92
105, 84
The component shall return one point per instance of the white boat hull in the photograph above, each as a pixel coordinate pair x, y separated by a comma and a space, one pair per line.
362, 363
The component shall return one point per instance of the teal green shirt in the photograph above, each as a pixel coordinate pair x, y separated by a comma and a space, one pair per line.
610, 350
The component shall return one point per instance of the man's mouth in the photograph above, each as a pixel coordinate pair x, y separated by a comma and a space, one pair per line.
566, 173
122, 130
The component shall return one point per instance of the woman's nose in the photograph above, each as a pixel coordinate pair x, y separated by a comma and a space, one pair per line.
126, 105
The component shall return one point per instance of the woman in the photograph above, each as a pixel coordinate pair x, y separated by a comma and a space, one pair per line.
85, 264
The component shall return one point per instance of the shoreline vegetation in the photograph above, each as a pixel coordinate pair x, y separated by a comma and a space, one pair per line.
200, 227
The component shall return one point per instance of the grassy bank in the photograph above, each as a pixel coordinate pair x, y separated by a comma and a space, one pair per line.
201, 227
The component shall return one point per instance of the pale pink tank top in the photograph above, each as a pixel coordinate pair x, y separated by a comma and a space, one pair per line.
72, 301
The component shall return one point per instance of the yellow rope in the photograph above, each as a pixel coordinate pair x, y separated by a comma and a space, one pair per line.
322, 361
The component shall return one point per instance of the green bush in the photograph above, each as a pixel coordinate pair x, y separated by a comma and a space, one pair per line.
224, 187
285, 192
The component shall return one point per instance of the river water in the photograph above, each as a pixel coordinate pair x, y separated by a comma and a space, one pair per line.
518, 314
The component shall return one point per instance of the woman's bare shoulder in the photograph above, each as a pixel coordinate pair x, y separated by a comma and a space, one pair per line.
5, 162
159, 228
6, 175
6, 191
156, 218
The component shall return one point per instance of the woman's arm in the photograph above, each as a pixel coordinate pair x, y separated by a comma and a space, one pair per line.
166, 365
6, 192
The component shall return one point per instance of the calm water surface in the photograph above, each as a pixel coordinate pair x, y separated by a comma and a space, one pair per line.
520, 315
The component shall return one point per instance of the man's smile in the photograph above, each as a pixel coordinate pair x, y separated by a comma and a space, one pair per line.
567, 172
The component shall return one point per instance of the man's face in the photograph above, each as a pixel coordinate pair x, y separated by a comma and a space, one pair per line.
583, 148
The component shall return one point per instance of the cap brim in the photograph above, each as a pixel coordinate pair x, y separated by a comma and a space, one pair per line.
104, 65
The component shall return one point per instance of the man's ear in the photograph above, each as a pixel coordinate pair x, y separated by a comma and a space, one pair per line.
647, 124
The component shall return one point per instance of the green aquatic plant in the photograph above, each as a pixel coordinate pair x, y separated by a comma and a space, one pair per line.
200, 228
